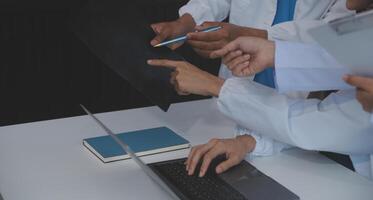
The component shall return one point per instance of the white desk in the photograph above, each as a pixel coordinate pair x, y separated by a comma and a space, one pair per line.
46, 160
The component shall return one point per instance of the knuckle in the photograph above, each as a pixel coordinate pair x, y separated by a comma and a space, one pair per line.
213, 141
207, 158
197, 152
195, 160
220, 143
196, 147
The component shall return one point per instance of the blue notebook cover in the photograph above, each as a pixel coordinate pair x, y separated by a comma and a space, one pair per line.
142, 142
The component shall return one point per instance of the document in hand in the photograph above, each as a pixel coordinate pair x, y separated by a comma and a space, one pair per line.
120, 36
349, 40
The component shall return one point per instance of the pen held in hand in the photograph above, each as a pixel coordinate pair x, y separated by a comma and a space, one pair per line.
184, 37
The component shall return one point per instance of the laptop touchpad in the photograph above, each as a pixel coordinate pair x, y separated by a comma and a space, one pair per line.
253, 184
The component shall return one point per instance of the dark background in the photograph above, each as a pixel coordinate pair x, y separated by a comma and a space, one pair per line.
46, 71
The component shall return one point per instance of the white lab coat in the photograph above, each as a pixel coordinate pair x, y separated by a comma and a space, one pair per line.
260, 14
319, 71
336, 124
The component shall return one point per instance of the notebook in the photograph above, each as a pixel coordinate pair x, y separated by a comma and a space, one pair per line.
142, 142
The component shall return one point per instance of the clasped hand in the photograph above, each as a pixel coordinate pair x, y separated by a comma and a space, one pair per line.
247, 56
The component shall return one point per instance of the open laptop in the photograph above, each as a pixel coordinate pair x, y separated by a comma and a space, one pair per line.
243, 181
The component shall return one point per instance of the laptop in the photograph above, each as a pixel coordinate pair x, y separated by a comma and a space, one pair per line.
243, 181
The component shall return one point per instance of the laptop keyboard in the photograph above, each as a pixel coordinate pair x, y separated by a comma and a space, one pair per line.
208, 187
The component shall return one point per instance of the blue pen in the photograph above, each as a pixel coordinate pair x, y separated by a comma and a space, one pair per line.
184, 37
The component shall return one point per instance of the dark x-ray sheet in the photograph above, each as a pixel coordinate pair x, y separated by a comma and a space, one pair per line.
120, 36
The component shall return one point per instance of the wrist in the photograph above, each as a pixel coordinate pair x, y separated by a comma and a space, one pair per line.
215, 86
248, 142
270, 47
253, 32
187, 22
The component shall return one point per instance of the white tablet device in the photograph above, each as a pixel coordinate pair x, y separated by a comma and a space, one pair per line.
350, 41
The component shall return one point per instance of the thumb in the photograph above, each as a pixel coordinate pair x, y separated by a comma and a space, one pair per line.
205, 25
224, 166
248, 68
254, 67
232, 46
158, 39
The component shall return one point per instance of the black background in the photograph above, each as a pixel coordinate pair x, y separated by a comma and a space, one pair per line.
46, 71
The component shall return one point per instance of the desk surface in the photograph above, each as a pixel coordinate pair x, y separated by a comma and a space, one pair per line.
46, 160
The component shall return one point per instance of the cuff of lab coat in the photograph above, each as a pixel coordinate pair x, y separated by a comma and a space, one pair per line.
262, 146
266, 146
198, 13
276, 32
281, 57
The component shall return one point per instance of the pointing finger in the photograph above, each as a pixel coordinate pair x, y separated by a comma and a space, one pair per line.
165, 63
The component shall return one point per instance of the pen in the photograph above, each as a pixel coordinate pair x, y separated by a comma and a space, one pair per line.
184, 37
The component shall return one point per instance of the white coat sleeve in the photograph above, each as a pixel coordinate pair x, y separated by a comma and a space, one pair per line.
206, 10
337, 124
297, 30
306, 67
264, 146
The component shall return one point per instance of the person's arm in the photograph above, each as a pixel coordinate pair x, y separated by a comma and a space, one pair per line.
206, 10
297, 30
235, 149
298, 66
337, 124
264, 146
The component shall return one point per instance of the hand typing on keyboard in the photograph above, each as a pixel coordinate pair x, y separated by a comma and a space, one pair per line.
210, 187
234, 149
